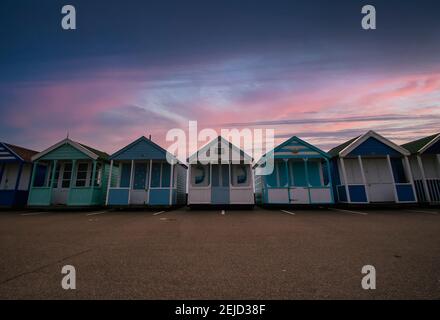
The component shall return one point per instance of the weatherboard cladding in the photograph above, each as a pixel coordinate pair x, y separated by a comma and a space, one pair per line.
23, 153
141, 149
6, 155
296, 148
65, 152
373, 147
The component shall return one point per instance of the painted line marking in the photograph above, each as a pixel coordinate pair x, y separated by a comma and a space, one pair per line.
157, 213
223, 212
350, 211
95, 213
288, 212
32, 213
421, 211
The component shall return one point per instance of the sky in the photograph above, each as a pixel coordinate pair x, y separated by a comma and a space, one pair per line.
134, 68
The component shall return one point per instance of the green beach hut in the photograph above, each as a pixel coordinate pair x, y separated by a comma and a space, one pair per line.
76, 176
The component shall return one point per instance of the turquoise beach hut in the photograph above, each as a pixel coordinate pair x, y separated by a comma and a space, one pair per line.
15, 174
75, 176
425, 167
145, 177
301, 175
372, 169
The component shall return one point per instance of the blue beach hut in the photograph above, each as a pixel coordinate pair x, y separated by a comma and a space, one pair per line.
425, 167
15, 174
145, 177
301, 175
372, 169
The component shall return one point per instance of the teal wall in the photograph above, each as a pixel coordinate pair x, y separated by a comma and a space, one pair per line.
65, 152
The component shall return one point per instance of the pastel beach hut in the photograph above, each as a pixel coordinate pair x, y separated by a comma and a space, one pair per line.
425, 167
372, 169
147, 175
300, 175
220, 173
15, 174
75, 176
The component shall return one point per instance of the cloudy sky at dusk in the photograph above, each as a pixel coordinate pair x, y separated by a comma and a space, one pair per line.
135, 68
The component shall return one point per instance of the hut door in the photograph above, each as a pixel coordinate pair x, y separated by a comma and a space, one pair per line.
63, 175
379, 181
139, 194
220, 184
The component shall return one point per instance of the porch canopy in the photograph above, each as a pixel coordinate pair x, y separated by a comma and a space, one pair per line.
372, 169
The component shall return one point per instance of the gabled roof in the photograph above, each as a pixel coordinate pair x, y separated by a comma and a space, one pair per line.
154, 145
420, 145
89, 151
20, 152
335, 151
347, 147
219, 140
289, 141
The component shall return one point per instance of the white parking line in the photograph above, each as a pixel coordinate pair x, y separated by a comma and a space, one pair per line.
349, 211
95, 213
422, 211
223, 212
32, 213
157, 213
288, 212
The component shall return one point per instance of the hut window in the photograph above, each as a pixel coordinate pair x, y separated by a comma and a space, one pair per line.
40, 176
140, 176
67, 174
125, 175
239, 175
398, 170
81, 176
200, 176
166, 175
314, 170
160, 175
282, 173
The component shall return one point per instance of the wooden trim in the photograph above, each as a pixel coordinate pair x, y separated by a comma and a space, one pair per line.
109, 182
364, 179
422, 172
390, 167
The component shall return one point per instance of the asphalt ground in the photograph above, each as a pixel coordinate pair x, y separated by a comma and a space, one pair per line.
221, 254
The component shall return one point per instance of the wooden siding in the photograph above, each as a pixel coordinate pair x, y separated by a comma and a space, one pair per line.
65, 152
373, 147
143, 149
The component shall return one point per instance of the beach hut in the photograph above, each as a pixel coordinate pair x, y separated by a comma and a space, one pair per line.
15, 174
75, 176
301, 175
220, 174
147, 175
372, 169
425, 167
